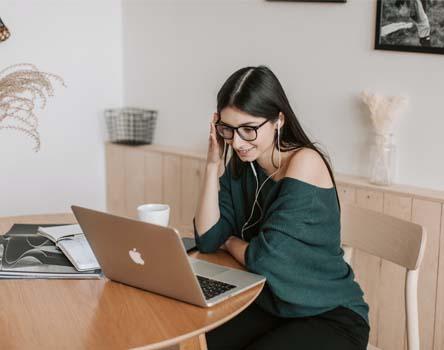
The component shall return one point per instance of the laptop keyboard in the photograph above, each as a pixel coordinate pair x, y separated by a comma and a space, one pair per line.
212, 288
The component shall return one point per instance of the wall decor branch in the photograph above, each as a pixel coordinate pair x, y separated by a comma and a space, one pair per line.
22, 89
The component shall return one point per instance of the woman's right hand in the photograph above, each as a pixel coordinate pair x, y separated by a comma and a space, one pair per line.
213, 156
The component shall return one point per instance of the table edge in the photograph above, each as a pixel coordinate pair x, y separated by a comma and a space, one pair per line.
179, 339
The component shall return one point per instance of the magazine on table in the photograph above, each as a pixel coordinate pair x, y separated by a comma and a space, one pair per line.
26, 254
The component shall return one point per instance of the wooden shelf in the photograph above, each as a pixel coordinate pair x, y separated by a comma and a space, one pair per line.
363, 182
342, 179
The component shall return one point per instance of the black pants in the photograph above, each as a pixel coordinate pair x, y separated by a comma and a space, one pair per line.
256, 329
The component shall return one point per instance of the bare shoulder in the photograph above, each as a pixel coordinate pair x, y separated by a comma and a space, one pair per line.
307, 165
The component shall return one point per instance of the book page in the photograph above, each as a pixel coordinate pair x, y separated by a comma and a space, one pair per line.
55, 233
79, 252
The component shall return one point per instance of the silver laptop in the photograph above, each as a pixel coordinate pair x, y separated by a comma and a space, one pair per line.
153, 258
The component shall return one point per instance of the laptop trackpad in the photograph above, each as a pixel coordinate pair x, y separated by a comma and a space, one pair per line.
207, 269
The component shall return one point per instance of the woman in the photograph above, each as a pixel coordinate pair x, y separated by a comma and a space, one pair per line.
277, 213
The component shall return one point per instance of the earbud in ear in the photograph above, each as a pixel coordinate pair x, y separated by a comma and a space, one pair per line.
278, 125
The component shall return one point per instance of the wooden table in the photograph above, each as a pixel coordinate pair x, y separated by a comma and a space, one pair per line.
101, 314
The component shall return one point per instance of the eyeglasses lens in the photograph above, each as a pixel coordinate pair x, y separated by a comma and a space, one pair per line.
245, 132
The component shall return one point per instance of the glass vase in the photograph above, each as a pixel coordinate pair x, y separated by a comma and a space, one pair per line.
382, 160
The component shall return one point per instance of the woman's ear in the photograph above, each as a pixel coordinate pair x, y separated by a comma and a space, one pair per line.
281, 120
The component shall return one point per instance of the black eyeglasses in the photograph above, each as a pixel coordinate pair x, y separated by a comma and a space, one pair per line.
247, 133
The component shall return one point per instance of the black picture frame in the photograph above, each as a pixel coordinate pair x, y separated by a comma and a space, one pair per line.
389, 13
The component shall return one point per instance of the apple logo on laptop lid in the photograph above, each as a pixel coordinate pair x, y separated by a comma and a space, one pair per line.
136, 257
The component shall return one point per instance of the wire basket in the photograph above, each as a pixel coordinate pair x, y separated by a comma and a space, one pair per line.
131, 126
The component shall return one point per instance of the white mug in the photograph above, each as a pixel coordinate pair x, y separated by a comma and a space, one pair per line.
154, 213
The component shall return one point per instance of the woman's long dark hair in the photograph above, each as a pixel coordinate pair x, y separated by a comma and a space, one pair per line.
258, 92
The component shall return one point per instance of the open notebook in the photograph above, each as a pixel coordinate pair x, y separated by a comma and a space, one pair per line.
72, 242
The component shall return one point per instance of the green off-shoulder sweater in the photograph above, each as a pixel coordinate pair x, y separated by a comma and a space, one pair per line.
296, 245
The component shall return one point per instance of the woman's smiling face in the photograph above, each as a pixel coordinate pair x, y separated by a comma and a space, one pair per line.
249, 151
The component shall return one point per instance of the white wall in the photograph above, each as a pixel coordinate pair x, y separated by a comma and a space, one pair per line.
81, 41
178, 53
176, 56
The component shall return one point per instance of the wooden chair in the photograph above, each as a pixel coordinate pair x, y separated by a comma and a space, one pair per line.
392, 239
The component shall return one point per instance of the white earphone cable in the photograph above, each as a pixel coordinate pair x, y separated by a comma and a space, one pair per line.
260, 188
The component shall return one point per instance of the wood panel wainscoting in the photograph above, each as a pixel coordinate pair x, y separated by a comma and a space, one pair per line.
162, 174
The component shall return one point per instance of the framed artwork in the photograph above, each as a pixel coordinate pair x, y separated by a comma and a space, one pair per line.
410, 25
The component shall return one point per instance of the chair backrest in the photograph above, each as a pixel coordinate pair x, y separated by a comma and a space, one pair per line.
399, 241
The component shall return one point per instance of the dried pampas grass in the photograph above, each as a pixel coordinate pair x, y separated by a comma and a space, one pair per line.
22, 86
384, 111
